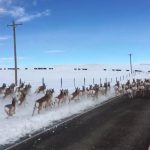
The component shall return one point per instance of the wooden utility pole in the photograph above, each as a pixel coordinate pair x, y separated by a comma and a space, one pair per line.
14, 25
130, 62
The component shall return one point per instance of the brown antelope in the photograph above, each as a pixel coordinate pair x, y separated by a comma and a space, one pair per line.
134, 90
129, 93
90, 91
9, 90
19, 87
128, 83
61, 96
116, 89
119, 89
83, 91
21, 98
147, 87
96, 93
75, 94
101, 89
10, 108
26, 89
41, 88
108, 86
66, 94
44, 101
2, 87
141, 90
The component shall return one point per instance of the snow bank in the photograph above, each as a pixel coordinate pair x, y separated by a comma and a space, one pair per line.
22, 123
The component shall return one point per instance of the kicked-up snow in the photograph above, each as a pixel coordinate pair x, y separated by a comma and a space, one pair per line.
23, 123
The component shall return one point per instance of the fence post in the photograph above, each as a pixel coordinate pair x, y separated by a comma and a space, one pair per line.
120, 78
111, 80
61, 83
100, 80
123, 77
116, 79
84, 81
93, 81
74, 82
20, 81
42, 81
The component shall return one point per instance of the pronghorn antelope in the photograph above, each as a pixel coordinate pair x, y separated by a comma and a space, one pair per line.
134, 90
108, 85
44, 101
128, 83
50, 101
62, 97
116, 88
75, 94
10, 108
2, 87
26, 88
147, 87
129, 93
83, 91
19, 87
90, 91
9, 90
66, 94
41, 88
96, 89
141, 90
22, 94
133, 82
102, 89
22, 97
138, 88
119, 89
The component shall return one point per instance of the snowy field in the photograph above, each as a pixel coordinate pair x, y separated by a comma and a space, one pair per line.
22, 123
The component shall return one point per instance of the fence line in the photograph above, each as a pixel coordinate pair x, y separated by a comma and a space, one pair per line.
69, 82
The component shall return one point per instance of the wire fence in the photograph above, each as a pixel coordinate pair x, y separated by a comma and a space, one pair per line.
68, 79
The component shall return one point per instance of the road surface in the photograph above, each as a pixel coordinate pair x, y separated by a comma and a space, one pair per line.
120, 124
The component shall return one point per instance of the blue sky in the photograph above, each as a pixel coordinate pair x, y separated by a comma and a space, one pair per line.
75, 31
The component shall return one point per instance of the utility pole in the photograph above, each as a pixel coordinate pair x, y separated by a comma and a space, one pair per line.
14, 25
130, 62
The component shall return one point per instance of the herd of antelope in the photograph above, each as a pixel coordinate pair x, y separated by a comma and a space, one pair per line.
136, 88
131, 89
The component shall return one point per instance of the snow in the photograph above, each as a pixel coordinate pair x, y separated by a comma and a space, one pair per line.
23, 123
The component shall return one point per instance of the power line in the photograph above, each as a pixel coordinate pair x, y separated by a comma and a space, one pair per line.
14, 25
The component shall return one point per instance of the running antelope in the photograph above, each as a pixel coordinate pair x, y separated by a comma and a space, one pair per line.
83, 91
26, 89
129, 93
61, 98
19, 87
10, 108
90, 91
2, 87
44, 101
9, 90
22, 97
41, 88
75, 94
96, 93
